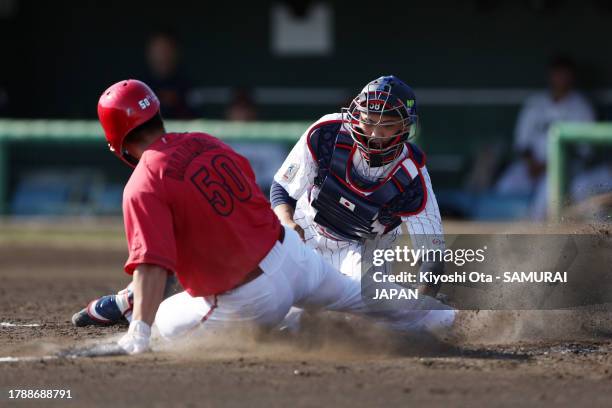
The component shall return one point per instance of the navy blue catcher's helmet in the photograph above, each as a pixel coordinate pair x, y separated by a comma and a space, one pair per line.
380, 101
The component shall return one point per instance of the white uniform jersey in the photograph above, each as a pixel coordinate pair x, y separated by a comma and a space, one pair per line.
537, 115
297, 175
540, 112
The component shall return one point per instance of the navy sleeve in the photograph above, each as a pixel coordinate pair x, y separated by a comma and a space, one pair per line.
278, 196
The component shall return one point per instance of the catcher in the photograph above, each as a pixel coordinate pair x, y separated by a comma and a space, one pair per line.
354, 178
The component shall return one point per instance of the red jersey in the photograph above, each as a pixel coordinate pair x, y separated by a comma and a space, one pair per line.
192, 206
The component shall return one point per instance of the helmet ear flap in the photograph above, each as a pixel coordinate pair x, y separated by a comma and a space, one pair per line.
128, 158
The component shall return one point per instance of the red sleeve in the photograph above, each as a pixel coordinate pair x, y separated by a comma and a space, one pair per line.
148, 223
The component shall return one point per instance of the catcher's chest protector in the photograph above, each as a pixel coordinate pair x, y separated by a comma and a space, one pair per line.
348, 205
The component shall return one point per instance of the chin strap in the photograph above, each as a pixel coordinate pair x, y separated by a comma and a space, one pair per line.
380, 159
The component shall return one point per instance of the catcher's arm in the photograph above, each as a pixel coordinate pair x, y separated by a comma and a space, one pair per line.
284, 212
284, 207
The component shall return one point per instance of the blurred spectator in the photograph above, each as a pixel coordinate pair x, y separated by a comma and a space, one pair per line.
242, 107
562, 102
164, 76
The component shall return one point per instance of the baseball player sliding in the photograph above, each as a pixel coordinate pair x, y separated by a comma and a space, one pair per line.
192, 209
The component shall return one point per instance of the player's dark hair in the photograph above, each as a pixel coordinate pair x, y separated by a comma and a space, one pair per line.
155, 124
562, 62
167, 33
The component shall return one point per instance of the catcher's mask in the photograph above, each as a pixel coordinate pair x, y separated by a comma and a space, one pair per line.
385, 102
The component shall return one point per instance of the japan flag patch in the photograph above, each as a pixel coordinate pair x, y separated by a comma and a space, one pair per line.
347, 204
291, 171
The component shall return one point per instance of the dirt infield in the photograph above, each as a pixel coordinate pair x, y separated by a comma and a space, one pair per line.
505, 359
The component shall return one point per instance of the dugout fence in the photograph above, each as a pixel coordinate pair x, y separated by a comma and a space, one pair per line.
25, 134
561, 137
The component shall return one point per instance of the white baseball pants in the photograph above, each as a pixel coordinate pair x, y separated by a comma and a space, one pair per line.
292, 275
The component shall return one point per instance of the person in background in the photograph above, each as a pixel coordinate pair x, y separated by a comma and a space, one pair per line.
165, 77
242, 107
562, 102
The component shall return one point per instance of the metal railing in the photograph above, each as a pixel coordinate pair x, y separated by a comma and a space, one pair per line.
90, 131
561, 135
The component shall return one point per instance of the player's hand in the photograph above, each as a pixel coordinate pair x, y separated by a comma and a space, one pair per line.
294, 226
136, 340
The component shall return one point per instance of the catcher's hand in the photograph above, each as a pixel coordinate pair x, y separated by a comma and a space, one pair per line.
136, 340
294, 226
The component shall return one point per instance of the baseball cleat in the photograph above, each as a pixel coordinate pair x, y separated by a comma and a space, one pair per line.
116, 309
105, 311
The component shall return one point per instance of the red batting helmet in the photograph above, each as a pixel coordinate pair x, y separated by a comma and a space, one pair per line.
122, 108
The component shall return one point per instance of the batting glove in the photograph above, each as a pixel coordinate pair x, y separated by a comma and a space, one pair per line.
137, 338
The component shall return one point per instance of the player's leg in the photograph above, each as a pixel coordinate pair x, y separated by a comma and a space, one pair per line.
262, 302
345, 258
515, 180
317, 284
116, 308
182, 313
356, 297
